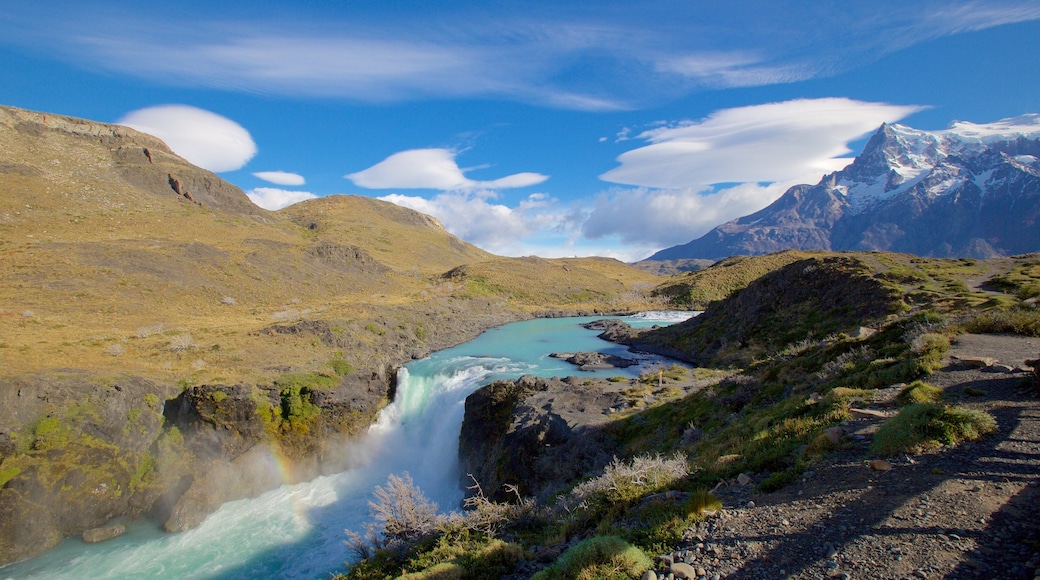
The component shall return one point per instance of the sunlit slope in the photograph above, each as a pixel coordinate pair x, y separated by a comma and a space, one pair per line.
540, 285
120, 257
408, 241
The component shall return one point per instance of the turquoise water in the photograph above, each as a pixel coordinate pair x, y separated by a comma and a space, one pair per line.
297, 531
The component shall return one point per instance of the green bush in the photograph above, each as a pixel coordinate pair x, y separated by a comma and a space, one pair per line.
1013, 321
598, 558
918, 392
923, 425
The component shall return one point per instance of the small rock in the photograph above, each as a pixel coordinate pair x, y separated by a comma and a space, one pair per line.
750, 504
684, 570
868, 414
743, 479
880, 465
977, 362
834, 434
96, 535
649, 575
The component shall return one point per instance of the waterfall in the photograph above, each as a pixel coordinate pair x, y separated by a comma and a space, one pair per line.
297, 531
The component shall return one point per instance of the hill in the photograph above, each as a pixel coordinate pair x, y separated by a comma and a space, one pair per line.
968, 191
850, 414
159, 332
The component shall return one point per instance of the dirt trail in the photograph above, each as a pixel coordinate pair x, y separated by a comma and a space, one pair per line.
965, 512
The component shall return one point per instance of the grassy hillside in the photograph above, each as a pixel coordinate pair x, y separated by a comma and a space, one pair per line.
788, 354
696, 290
121, 257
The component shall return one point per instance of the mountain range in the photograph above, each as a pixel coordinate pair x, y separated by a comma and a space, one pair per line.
971, 190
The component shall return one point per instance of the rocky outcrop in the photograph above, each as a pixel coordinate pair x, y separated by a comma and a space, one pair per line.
78, 455
83, 454
808, 298
594, 361
533, 433
142, 160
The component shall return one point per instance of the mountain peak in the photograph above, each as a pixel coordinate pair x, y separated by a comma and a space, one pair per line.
970, 190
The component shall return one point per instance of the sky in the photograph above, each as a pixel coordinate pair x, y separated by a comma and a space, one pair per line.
552, 128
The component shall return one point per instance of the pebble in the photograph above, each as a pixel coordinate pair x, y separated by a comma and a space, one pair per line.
684, 570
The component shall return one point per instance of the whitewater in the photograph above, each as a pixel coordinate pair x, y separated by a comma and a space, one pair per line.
297, 531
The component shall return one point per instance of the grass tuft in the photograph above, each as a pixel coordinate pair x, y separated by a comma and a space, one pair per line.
598, 558
921, 426
918, 392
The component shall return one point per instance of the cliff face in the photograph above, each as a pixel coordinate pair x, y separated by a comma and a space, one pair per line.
535, 434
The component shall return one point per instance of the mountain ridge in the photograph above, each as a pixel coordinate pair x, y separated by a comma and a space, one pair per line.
967, 191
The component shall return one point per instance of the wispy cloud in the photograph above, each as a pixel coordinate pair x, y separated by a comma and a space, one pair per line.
432, 169
281, 178
274, 199
202, 137
620, 56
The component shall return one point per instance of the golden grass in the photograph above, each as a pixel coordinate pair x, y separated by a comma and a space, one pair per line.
96, 246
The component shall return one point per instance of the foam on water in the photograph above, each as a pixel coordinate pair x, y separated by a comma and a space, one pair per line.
297, 531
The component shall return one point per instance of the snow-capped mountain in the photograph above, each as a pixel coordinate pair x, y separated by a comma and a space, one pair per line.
967, 191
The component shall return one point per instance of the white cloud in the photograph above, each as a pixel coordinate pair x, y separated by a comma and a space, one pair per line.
203, 138
473, 216
274, 199
760, 143
281, 178
654, 219
432, 169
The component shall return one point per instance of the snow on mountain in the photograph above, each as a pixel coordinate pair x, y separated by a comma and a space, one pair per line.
968, 190
910, 154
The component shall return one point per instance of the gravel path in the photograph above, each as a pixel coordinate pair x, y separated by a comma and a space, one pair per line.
971, 511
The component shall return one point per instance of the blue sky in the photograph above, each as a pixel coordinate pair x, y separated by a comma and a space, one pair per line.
551, 128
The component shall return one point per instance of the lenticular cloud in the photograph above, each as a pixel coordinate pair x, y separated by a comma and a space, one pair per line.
761, 143
432, 169
203, 138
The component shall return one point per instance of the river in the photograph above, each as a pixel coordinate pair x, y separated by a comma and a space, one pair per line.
297, 531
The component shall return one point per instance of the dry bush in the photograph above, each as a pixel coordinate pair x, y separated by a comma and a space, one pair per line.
488, 517
181, 342
146, 331
624, 481
403, 515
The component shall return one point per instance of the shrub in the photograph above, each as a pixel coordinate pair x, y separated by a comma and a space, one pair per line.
341, 367
181, 342
404, 511
1012, 321
923, 425
626, 481
919, 392
599, 557
930, 349
700, 501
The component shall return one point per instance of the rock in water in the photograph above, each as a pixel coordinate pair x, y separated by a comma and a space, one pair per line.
104, 534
